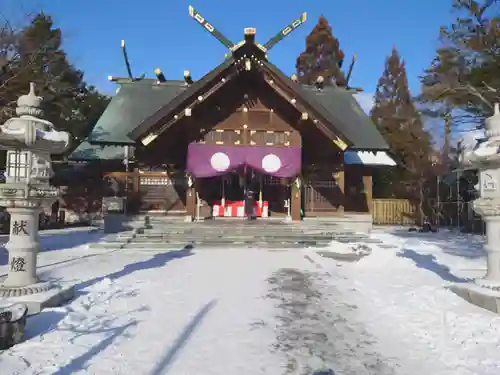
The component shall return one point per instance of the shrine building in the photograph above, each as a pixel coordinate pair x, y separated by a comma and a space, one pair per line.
190, 147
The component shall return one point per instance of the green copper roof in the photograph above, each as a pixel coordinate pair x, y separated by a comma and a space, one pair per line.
139, 105
348, 115
160, 113
134, 102
342, 111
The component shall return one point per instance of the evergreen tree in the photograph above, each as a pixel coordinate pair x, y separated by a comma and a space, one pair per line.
38, 57
396, 117
447, 147
465, 74
322, 56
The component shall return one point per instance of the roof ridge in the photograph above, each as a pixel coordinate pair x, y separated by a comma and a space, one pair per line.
152, 81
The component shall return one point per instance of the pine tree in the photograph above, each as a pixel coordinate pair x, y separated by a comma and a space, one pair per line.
322, 56
38, 57
465, 74
397, 118
447, 148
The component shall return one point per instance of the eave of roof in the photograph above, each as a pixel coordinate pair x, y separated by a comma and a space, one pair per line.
347, 115
369, 158
88, 152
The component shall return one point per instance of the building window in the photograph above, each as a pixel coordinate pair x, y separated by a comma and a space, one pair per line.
275, 138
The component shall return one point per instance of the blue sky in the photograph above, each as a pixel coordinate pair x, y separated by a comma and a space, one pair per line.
161, 33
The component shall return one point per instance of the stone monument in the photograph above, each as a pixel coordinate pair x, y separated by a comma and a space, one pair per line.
29, 141
485, 157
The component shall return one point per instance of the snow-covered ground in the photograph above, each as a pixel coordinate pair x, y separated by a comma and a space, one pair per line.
401, 299
243, 311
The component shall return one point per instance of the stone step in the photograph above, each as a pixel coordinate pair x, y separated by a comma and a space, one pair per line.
230, 240
208, 244
118, 239
242, 233
106, 245
140, 237
176, 242
233, 230
222, 245
168, 234
242, 223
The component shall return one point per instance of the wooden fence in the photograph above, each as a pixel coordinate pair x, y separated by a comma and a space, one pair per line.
393, 212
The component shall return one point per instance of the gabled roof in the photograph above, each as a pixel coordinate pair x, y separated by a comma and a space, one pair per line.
134, 102
337, 106
140, 105
227, 69
190, 91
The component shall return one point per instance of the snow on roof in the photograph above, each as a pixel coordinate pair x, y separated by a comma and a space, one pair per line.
368, 158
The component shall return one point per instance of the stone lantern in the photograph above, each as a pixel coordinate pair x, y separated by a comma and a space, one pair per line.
29, 141
486, 159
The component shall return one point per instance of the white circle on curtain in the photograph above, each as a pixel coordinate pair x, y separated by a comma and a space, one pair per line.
220, 161
271, 163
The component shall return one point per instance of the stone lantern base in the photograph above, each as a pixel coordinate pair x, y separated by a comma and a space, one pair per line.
21, 291
478, 295
36, 298
485, 292
22, 285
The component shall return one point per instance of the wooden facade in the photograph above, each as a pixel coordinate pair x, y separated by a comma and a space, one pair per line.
247, 112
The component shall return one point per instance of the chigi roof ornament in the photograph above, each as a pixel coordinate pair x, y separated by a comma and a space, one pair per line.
127, 66
249, 33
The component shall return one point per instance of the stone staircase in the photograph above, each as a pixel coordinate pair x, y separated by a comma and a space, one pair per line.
163, 233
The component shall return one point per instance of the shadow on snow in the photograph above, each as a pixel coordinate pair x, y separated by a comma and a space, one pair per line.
48, 321
468, 246
164, 365
58, 241
157, 261
429, 262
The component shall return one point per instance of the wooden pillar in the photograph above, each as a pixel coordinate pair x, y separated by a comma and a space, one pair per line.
296, 200
341, 185
368, 182
192, 134
136, 180
133, 197
191, 198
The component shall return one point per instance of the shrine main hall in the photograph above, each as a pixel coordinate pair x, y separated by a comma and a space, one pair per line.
192, 147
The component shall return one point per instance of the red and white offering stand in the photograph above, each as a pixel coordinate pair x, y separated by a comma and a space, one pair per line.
237, 209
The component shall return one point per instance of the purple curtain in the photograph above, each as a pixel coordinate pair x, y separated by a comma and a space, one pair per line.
206, 160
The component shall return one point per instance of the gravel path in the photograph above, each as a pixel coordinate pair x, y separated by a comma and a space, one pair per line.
317, 331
